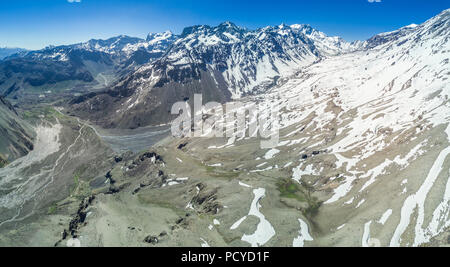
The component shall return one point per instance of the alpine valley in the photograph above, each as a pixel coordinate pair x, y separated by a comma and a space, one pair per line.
87, 158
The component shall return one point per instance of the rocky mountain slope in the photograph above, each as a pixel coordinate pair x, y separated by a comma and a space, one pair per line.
363, 161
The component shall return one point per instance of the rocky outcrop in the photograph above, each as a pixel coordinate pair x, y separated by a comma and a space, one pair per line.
80, 216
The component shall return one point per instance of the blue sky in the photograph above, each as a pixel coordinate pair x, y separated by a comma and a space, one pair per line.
34, 24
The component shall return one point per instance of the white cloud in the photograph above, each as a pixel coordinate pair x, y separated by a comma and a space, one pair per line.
74, 1
370, 1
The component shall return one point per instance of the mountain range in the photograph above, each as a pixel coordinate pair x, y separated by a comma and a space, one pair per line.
17, 135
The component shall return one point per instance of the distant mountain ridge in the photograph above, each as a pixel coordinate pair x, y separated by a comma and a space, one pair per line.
221, 62
130, 82
93, 63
